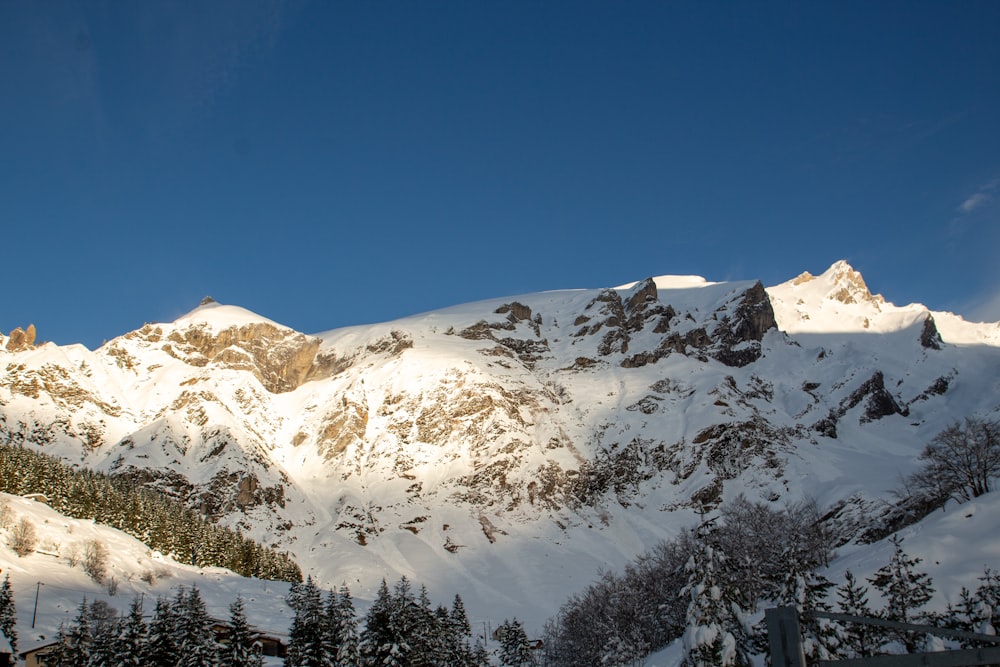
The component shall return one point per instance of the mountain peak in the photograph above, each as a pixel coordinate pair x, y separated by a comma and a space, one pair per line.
218, 316
841, 282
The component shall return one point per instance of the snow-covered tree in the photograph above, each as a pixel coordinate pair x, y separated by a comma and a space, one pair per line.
161, 644
714, 636
377, 638
8, 613
342, 622
104, 630
131, 640
196, 641
80, 638
306, 641
23, 537
805, 589
60, 654
241, 650
514, 648
905, 590
856, 640
976, 611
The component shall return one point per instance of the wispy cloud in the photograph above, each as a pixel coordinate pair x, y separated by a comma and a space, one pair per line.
986, 309
980, 198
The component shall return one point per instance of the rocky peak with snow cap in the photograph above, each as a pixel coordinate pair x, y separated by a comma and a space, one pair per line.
842, 283
217, 335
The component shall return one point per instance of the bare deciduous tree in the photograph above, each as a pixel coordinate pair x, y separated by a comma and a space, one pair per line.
95, 560
962, 461
23, 538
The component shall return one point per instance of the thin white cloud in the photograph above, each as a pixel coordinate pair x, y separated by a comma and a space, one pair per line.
980, 198
975, 201
987, 310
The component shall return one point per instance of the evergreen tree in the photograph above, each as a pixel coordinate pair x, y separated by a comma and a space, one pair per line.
976, 611
343, 623
422, 631
241, 650
806, 590
988, 598
131, 642
8, 613
457, 632
305, 646
856, 640
195, 639
161, 645
60, 655
714, 636
514, 649
904, 589
377, 638
78, 646
104, 630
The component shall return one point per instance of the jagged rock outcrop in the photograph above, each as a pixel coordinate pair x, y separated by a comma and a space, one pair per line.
740, 333
281, 359
879, 403
20, 339
930, 337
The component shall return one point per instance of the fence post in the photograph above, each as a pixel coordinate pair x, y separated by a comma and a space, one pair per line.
784, 637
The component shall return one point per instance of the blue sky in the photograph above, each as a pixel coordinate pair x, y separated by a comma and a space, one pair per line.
327, 164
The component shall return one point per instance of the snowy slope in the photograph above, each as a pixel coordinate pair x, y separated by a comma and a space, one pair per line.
508, 449
137, 571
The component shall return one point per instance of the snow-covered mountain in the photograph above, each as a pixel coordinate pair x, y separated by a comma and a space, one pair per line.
509, 449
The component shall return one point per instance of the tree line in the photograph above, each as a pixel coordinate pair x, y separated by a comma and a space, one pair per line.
156, 520
401, 628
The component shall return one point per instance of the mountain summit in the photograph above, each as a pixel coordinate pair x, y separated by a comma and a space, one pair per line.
481, 448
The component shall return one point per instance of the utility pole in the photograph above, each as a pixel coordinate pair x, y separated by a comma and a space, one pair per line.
34, 614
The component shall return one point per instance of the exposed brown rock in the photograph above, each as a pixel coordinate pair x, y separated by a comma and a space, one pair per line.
21, 340
518, 311
281, 359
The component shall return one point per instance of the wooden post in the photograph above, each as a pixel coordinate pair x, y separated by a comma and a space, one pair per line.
784, 637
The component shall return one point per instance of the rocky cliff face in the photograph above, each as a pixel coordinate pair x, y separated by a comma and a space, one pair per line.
589, 421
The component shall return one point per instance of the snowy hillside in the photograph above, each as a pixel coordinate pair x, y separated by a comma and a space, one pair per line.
54, 571
511, 448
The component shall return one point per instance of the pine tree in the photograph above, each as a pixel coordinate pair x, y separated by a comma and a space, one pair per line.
514, 649
104, 630
60, 654
988, 597
78, 646
714, 633
241, 650
343, 623
480, 657
131, 641
976, 611
377, 638
425, 635
196, 641
305, 646
806, 590
856, 640
904, 589
161, 645
8, 613
458, 632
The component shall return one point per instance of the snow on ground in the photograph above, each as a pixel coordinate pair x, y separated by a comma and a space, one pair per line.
48, 577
